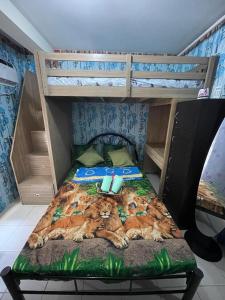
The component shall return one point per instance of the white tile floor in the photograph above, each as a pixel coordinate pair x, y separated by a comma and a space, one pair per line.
19, 221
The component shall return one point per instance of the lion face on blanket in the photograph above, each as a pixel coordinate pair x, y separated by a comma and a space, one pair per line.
101, 219
156, 225
134, 204
69, 198
112, 229
88, 216
157, 209
104, 208
72, 198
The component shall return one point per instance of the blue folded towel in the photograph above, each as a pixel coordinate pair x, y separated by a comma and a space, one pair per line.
96, 174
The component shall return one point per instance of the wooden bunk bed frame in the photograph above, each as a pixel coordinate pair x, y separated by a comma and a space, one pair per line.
57, 109
203, 72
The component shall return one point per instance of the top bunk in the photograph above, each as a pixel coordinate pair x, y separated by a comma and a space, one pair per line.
123, 76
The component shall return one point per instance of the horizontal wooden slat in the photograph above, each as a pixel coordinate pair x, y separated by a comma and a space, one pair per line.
156, 153
169, 75
157, 59
85, 57
86, 91
82, 73
164, 92
161, 59
120, 74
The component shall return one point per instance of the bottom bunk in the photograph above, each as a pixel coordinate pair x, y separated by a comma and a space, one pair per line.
89, 234
85, 235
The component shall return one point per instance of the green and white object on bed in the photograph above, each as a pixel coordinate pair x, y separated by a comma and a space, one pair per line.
106, 183
117, 184
110, 185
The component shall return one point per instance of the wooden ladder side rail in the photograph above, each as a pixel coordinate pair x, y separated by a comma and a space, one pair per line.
39, 69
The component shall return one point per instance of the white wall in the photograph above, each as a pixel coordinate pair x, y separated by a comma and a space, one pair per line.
14, 24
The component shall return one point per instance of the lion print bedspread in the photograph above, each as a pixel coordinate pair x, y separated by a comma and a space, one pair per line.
84, 233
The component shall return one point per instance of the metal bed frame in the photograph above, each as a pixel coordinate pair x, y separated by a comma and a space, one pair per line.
210, 212
12, 281
91, 141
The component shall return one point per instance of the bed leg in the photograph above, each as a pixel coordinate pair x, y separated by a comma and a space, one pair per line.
11, 284
193, 281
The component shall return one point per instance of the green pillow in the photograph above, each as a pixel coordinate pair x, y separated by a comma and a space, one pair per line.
121, 158
78, 150
90, 157
106, 149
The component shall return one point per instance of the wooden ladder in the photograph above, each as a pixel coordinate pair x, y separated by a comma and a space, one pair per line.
29, 153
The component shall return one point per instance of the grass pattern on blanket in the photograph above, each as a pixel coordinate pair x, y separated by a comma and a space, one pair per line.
112, 266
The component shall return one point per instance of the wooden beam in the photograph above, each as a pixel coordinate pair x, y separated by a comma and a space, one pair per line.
86, 91
85, 73
213, 60
42, 70
164, 92
157, 59
143, 99
45, 117
86, 57
128, 77
170, 75
156, 153
167, 145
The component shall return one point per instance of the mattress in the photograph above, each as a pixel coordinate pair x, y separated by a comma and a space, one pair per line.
83, 233
209, 198
119, 82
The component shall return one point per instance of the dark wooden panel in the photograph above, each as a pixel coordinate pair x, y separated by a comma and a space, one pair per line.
60, 129
195, 126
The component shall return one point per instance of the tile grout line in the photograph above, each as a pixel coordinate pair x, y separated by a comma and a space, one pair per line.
199, 295
44, 289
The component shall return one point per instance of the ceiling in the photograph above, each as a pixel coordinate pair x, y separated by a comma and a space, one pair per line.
152, 26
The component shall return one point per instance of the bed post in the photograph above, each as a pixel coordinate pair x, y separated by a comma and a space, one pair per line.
193, 280
11, 284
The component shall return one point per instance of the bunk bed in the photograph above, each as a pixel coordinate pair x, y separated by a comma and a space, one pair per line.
137, 76
89, 77
66, 77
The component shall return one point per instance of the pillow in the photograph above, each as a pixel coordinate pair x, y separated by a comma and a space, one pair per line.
121, 158
90, 157
106, 149
78, 150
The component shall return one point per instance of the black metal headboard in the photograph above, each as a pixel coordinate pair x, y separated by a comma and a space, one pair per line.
91, 141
